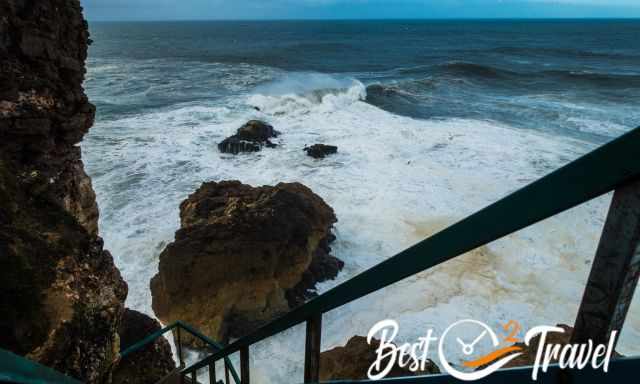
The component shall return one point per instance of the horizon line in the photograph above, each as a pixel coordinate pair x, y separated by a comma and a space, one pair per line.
371, 19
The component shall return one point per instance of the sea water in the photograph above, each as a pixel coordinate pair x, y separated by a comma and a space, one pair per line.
434, 120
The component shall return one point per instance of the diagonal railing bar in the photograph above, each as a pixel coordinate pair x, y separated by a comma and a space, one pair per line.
596, 173
214, 345
17, 369
148, 339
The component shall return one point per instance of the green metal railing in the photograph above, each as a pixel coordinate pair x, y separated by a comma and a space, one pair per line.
17, 369
180, 326
610, 167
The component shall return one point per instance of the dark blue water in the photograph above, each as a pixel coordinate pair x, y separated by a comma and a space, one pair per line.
569, 77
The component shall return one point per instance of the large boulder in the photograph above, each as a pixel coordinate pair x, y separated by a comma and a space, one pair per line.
149, 364
61, 296
243, 256
352, 362
251, 137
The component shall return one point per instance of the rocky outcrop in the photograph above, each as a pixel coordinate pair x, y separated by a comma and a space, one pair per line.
251, 137
44, 112
149, 364
320, 151
61, 297
352, 362
238, 253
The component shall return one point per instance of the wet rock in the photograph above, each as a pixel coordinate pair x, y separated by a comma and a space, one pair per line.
352, 362
238, 253
149, 364
61, 296
251, 137
323, 267
320, 151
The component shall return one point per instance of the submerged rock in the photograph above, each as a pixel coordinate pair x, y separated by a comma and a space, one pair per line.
239, 253
149, 364
352, 362
320, 151
61, 296
251, 137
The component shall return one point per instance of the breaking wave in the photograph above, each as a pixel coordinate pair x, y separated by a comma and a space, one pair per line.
299, 93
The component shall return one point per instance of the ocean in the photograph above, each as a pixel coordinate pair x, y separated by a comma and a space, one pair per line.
433, 119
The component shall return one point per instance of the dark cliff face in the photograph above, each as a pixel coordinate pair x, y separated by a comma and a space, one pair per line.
61, 296
44, 112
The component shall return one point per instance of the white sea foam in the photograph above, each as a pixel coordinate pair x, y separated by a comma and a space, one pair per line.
394, 181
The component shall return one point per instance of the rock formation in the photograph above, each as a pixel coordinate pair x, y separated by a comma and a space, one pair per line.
251, 137
44, 112
320, 151
61, 296
352, 362
243, 256
148, 365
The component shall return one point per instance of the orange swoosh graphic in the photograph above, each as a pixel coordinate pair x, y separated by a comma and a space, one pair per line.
490, 357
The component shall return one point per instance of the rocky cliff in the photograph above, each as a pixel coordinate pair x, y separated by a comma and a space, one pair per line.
61, 296
44, 112
243, 256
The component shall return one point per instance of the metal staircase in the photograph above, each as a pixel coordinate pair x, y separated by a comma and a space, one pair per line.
614, 276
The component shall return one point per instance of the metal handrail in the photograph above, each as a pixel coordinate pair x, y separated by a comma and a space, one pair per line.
214, 345
596, 173
17, 369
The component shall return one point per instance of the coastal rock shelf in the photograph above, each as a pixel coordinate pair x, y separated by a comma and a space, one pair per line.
243, 256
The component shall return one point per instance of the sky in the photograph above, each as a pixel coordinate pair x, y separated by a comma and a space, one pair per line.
354, 9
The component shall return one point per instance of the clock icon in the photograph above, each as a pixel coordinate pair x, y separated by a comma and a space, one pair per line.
468, 348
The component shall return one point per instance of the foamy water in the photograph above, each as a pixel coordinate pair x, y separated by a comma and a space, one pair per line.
394, 181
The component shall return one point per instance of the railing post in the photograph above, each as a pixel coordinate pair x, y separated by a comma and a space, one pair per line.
615, 270
194, 376
226, 372
244, 365
312, 349
179, 347
212, 373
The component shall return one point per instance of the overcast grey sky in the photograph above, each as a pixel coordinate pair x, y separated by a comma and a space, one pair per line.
353, 9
